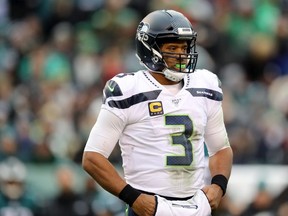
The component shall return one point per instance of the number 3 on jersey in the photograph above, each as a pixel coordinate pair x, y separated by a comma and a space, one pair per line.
181, 138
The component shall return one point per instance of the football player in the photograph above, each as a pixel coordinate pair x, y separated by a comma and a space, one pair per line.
162, 117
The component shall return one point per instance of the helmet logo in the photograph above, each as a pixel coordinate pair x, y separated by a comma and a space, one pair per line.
141, 35
145, 37
145, 27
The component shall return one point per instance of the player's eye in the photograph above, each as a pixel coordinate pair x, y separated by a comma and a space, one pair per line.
172, 48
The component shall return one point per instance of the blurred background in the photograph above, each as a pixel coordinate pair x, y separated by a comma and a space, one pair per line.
55, 57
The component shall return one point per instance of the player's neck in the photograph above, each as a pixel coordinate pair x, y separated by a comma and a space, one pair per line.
174, 89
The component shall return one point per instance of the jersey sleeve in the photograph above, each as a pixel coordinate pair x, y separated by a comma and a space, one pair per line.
105, 133
117, 93
216, 137
215, 132
112, 117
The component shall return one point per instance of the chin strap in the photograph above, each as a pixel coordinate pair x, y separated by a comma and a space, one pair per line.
173, 76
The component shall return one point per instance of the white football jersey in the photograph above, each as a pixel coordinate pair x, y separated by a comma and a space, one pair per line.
161, 135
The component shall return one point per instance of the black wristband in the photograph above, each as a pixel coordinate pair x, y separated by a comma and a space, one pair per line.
129, 195
221, 181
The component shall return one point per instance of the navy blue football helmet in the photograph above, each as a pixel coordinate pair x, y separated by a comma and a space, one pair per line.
163, 26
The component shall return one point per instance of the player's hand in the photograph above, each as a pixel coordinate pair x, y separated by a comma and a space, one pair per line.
214, 195
144, 205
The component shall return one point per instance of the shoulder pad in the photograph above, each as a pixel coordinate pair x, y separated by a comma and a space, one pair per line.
116, 85
207, 85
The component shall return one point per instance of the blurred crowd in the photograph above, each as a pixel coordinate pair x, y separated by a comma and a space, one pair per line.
56, 55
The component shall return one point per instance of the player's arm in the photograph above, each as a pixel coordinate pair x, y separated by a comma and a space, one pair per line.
220, 166
104, 173
220, 160
102, 140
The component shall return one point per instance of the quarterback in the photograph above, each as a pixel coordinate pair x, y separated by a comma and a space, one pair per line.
162, 117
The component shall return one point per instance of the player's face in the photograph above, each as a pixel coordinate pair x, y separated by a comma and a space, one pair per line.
175, 55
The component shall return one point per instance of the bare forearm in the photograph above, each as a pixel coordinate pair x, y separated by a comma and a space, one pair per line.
220, 166
103, 172
221, 163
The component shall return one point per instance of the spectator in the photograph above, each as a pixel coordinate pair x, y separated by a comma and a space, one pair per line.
67, 201
15, 197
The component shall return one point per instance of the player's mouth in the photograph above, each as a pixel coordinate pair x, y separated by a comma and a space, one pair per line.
180, 67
